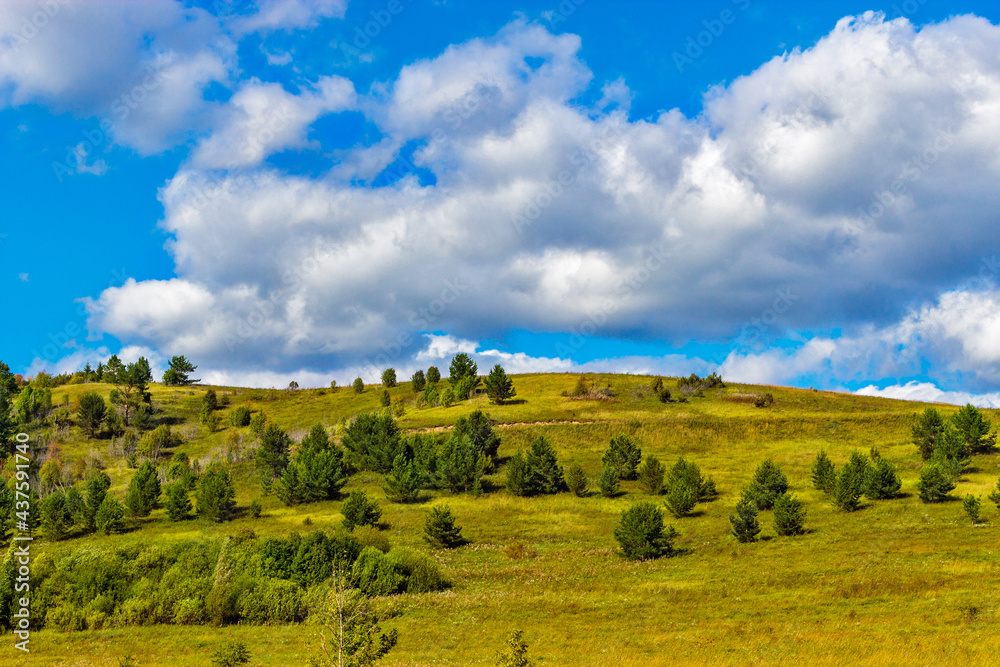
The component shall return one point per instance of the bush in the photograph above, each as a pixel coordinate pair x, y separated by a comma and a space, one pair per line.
440, 529
824, 473
681, 497
385, 400
272, 601
576, 480
624, 456
358, 385
651, 475
883, 482
231, 654
995, 495
375, 575
608, 482
641, 534
516, 654
373, 442
358, 510
240, 416
934, 484
257, 424
110, 517
763, 400
418, 381
744, 524
687, 472
255, 508
972, 506
789, 515
369, 536
767, 484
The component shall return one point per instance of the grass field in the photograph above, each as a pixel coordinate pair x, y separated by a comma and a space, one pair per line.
898, 582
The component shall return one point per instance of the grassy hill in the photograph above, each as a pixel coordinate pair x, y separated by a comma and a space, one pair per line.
897, 582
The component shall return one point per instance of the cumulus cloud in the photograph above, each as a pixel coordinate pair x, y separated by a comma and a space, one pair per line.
831, 173
928, 392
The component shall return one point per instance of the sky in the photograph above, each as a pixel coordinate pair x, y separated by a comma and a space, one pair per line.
314, 190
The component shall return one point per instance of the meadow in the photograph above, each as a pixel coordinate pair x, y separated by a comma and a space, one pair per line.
896, 582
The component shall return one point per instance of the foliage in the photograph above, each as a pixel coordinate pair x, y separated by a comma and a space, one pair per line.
972, 507
385, 400
951, 452
689, 474
516, 654
440, 529
352, 635
641, 534
927, 431
358, 385
824, 473
789, 515
608, 482
389, 378
403, 483
375, 575
231, 654
744, 524
934, 484
499, 385
536, 471
179, 371
240, 416
216, 496
479, 427
681, 497
420, 573
995, 495
272, 455
576, 480
110, 518
767, 484
372, 442
359, 510
91, 413
623, 455
460, 465
764, 400
131, 385
418, 381
178, 504
883, 481
96, 490
143, 494
852, 482
56, 516
433, 375
461, 366
974, 429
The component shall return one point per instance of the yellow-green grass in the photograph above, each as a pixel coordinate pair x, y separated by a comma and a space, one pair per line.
898, 582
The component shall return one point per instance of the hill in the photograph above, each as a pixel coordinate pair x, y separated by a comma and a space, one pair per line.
898, 581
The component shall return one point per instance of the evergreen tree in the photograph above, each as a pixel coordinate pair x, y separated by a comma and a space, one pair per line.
143, 494
440, 530
210, 401
824, 473
994, 496
91, 413
178, 504
418, 381
935, 484
460, 465
320, 471
433, 375
272, 455
131, 385
516, 654
688, 473
110, 518
972, 506
951, 453
372, 442
974, 429
499, 386
883, 482
289, 486
641, 534
651, 475
624, 456
745, 526
402, 484
479, 428
56, 517
179, 372
216, 496
75, 505
389, 378
385, 399
852, 482
608, 482
576, 480
358, 510
767, 484
97, 490
358, 385
789, 515
681, 497
462, 366
926, 432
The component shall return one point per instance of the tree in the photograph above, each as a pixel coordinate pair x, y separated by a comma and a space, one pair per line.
608, 482
418, 381
462, 366
995, 495
210, 401
852, 482
240, 416
143, 493
216, 496
179, 372
131, 385
272, 455
641, 534
824, 473
91, 413
231, 654
97, 490
389, 378
433, 375
402, 484
972, 506
624, 456
8, 391
951, 452
576, 480
681, 497
499, 386
460, 465
479, 428
883, 481
789, 515
351, 634
358, 385
358, 510
745, 526
178, 504
440, 529
110, 518
56, 517
767, 484
385, 399
687, 473
372, 441
974, 429
926, 432
536, 471
935, 484
516, 654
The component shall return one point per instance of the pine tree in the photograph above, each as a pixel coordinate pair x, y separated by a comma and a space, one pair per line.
91, 413
995, 495
608, 482
418, 381
689, 473
56, 517
576, 480
385, 400
926, 432
479, 427
499, 386
972, 506
651, 475
824, 473
110, 518
624, 456
883, 482
789, 515
516, 654
216, 496
358, 510
178, 504
358, 385
179, 372
745, 526
389, 378
767, 484
97, 490
272, 455
461, 465
641, 533
440, 529
143, 495
681, 497
402, 484
935, 484
974, 429
433, 375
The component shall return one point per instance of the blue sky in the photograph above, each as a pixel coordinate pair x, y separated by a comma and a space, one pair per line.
786, 193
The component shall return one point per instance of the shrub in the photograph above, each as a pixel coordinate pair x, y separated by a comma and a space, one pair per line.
358, 385
972, 506
56, 517
641, 534
608, 482
460, 465
763, 400
375, 575
767, 484
110, 517
257, 424
440, 529
824, 473
231, 654
883, 482
789, 515
272, 601
370, 536
385, 400
687, 472
651, 475
516, 654
934, 484
421, 574
576, 480
418, 381
744, 523
358, 510
255, 508
681, 497
240, 416
624, 456
995, 495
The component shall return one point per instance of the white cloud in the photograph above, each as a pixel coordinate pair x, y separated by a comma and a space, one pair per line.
98, 168
288, 15
929, 393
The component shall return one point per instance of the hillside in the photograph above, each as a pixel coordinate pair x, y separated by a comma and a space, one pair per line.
898, 581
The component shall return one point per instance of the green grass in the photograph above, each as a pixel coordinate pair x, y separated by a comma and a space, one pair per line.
898, 582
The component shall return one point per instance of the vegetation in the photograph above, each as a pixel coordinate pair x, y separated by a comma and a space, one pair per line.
499, 386
641, 534
789, 515
624, 456
440, 529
